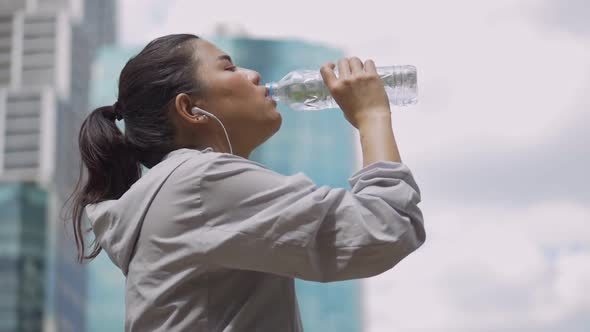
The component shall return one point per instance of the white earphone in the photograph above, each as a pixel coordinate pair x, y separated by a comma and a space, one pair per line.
195, 110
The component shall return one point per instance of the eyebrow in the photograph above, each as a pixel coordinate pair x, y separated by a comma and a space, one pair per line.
225, 57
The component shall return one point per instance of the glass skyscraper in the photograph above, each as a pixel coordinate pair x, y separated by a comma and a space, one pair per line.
22, 256
319, 144
46, 47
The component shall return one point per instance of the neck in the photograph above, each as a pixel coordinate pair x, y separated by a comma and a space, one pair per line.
215, 139
220, 144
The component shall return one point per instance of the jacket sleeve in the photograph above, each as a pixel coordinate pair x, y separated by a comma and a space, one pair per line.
257, 219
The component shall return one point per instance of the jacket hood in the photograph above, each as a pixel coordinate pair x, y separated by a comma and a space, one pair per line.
116, 223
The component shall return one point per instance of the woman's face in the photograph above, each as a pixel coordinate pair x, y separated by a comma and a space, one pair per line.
234, 95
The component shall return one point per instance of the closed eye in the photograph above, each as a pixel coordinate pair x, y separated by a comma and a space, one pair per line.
232, 68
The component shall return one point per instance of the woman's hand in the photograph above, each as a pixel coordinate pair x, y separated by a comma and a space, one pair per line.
358, 90
360, 93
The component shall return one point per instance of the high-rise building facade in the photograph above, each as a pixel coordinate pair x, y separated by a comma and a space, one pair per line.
46, 47
320, 144
22, 256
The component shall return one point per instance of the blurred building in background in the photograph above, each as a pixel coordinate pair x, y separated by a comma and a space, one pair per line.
320, 144
46, 48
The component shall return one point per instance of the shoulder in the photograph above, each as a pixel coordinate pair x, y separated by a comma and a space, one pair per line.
197, 166
215, 161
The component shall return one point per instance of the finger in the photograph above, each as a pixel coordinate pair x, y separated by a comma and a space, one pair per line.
327, 71
370, 67
343, 68
356, 66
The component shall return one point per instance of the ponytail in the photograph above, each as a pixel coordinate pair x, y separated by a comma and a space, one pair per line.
148, 84
112, 168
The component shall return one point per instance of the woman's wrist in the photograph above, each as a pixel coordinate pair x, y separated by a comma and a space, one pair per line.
377, 139
374, 120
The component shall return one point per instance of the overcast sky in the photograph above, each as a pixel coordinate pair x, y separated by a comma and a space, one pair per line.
497, 143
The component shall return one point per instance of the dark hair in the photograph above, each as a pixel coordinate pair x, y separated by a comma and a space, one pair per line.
148, 85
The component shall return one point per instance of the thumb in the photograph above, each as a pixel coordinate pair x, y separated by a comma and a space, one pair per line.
327, 72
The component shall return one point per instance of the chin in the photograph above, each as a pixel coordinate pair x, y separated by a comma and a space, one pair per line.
273, 127
277, 122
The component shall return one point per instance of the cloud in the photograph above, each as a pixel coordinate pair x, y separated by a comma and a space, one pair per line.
572, 16
555, 168
140, 19
485, 269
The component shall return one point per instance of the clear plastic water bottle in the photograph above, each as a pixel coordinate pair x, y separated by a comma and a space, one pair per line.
304, 90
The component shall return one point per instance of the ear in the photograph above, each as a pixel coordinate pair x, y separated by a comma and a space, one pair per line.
183, 105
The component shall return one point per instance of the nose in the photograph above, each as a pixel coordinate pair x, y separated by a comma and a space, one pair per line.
253, 76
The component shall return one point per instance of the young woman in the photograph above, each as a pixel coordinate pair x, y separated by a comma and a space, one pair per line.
209, 240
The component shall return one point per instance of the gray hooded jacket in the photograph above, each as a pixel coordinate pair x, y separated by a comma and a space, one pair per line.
212, 242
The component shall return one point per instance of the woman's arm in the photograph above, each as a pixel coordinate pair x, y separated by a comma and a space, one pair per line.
377, 139
255, 219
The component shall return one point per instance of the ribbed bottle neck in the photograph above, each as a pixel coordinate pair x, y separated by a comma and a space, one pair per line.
272, 88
